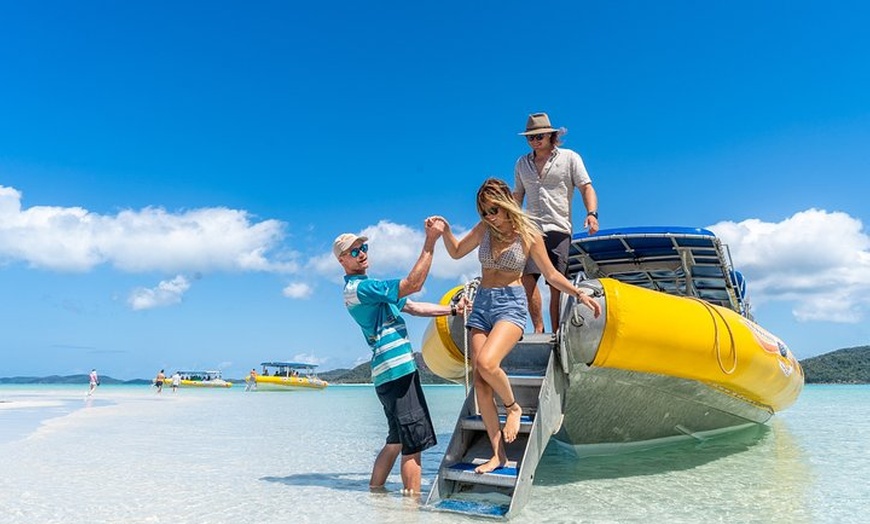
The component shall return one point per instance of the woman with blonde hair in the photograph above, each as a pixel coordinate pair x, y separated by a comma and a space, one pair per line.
506, 237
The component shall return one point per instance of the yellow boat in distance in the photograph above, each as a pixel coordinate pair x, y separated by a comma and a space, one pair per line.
675, 355
199, 379
287, 376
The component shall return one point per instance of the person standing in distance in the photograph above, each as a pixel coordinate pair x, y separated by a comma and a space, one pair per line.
159, 380
376, 306
94, 381
548, 176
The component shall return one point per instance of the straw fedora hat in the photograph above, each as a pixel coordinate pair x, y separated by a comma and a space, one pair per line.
538, 123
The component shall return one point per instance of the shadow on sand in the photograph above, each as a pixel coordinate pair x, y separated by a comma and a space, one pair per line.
340, 481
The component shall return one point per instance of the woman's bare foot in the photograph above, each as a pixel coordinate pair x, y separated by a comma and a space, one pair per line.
512, 424
492, 464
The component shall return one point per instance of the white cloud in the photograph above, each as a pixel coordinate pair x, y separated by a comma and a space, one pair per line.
297, 290
167, 293
308, 358
816, 259
150, 239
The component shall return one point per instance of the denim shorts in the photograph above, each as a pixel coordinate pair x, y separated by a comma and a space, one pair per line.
493, 304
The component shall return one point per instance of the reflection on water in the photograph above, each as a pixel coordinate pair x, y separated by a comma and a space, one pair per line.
759, 474
559, 465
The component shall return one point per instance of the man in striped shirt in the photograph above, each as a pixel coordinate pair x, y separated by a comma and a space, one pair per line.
376, 306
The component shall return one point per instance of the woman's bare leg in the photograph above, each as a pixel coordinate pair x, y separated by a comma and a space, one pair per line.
489, 414
500, 341
489, 350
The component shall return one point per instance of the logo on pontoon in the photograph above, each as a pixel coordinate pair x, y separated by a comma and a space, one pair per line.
768, 342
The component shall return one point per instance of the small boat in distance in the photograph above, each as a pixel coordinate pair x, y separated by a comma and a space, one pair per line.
288, 376
200, 379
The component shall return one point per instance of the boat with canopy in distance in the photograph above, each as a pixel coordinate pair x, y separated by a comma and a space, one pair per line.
200, 379
288, 376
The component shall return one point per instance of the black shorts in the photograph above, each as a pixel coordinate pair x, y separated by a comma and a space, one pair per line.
556, 243
407, 414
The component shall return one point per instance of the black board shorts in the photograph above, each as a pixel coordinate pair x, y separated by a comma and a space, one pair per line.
557, 245
407, 414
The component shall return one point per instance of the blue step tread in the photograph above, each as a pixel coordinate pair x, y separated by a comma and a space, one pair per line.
524, 419
475, 422
471, 507
504, 471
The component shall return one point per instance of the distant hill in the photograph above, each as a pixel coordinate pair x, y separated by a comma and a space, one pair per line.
68, 379
843, 366
362, 374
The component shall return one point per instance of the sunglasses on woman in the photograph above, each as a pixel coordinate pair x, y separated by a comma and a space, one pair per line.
357, 250
489, 211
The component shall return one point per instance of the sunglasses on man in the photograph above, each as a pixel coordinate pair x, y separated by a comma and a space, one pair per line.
533, 138
357, 250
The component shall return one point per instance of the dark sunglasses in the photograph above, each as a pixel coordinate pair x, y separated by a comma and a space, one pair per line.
357, 250
490, 211
535, 137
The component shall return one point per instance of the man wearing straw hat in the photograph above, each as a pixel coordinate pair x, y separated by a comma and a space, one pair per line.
548, 175
376, 305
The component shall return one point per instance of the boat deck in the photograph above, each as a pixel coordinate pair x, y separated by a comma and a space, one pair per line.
675, 260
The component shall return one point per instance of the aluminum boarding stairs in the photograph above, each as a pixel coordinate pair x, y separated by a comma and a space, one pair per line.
537, 382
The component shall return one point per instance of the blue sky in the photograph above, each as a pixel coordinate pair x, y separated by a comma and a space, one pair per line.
172, 174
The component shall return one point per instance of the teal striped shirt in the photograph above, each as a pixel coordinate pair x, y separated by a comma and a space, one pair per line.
376, 307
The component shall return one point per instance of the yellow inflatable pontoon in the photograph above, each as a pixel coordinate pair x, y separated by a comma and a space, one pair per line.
674, 354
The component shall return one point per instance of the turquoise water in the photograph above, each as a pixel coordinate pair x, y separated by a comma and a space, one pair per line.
130, 455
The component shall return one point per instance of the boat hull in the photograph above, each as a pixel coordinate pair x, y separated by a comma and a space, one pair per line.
265, 383
652, 368
203, 384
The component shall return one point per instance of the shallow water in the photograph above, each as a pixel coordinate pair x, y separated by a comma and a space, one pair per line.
131, 455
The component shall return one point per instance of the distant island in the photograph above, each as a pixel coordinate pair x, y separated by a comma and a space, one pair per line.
362, 374
843, 366
70, 379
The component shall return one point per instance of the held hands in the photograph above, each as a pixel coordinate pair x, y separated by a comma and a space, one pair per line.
437, 222
463, 306
588, 301
434, 227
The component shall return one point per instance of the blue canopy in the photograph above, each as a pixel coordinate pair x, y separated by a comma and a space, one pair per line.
676, 260
298, 365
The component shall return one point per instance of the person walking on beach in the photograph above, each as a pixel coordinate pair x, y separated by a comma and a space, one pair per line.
94, 381
506, 238
549, 174
176, 381
251, 380
376, 306
158, 381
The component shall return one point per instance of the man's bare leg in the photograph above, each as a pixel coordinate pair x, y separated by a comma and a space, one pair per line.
555, 296
383, 465
533, 294
411, 473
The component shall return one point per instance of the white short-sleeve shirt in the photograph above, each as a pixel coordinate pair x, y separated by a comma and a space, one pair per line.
548, 196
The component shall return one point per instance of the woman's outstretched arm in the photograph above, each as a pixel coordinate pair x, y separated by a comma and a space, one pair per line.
457, 248
558, 280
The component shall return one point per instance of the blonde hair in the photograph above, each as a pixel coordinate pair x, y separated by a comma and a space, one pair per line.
497, 192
